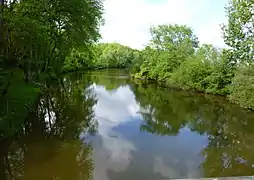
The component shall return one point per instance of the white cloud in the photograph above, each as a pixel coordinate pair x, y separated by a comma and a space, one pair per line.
128, 21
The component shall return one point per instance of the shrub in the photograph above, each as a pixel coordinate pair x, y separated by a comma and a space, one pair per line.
191, 74
242, 87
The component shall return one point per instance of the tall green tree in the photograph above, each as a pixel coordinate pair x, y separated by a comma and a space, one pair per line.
239, 36
174, 37
170, 45
49, 30
239, 31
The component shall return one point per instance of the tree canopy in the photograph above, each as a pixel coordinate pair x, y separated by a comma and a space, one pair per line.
239, 31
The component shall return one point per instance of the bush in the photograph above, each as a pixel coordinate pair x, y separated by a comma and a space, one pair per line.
191, 74
78, 59
242, 87
113, 55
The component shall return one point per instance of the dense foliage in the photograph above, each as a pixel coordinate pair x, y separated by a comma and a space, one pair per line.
113, 55
169, 47
239, 36
101, 55
242, 87
174, 57
38, 35
238, 33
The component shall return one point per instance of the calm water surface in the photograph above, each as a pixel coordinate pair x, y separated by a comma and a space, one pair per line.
103, 126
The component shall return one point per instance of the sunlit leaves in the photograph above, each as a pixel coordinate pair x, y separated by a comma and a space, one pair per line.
170, 45
174, 37
113, 55
242, 88
239, 31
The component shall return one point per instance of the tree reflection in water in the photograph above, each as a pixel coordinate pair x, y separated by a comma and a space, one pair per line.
229, 128
48, 145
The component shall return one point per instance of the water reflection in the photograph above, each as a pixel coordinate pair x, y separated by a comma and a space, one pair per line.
112, 149
227, 128
121, 150
103, 126
146, 132
48, 145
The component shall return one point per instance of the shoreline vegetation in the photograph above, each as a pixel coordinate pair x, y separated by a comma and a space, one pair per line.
41, 40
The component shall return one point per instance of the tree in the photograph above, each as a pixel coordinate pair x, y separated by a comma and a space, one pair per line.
79, 58
174, 37
239, 31
113, 55
49, 30
239, 36
170, 45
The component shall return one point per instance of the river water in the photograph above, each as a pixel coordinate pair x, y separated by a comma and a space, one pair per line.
103, 126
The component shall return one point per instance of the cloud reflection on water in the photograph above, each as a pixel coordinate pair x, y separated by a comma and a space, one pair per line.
122, 150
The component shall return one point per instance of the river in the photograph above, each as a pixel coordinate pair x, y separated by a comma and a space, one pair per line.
102, 125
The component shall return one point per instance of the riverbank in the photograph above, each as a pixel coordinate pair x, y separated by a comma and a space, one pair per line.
194, 90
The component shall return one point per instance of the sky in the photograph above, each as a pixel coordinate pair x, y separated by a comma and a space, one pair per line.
128, 21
